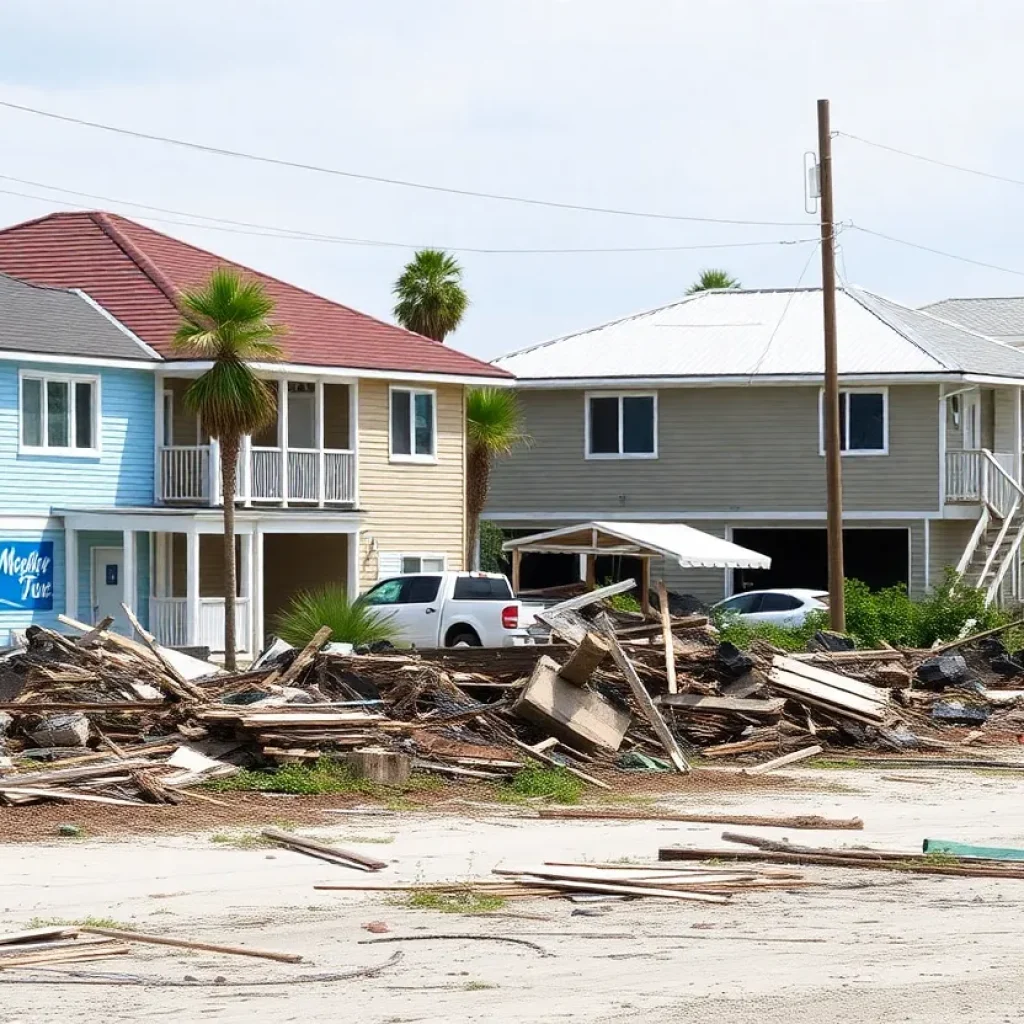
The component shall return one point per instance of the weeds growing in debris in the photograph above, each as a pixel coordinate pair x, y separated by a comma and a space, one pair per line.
786, 638
81, 922
535, 781
477, 986
465, 902
378, 840
241, 840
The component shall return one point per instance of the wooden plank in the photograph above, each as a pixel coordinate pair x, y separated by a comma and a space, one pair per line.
696, 702
567, 624
96, 632
134, 707
208, 947
35, 934
833, 679
613, 889
302, 660
64, 955
801, 821
847, 657
95, 771
954, 849
540, 755
667, 638
827, 696
292, 840
645, 587
574, 604
643, 698
168, 667
585, 660
779, 762
62, 794
742, 747
975, 636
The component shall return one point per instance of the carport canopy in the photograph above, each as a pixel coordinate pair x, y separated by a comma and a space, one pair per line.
690, 548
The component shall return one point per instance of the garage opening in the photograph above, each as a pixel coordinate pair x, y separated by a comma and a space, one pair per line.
878, 557
293, 562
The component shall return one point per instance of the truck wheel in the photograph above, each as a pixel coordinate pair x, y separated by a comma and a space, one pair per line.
464, 637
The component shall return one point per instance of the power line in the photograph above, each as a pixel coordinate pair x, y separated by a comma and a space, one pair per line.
257, 230
937, 252
932, 160
404, 183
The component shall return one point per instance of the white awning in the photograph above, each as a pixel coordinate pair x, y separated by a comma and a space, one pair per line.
690, 548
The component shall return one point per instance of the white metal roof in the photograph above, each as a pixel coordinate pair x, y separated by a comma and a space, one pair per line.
691, 548
764, 334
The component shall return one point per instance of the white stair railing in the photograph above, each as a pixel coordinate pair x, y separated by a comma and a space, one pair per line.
1003, 497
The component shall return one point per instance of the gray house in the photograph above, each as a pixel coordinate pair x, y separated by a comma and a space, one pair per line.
709, 412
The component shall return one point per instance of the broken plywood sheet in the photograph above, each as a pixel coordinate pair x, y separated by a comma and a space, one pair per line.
580, 716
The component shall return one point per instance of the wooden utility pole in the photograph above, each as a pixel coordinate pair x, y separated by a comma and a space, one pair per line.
833, 451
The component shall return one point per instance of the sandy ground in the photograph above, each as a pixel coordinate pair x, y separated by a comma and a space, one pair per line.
864, 947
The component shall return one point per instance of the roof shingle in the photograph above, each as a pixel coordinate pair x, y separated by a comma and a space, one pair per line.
136, 273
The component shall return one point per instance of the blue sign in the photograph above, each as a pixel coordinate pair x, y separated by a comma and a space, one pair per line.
26, 575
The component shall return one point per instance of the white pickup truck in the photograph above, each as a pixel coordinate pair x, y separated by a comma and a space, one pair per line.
448, 609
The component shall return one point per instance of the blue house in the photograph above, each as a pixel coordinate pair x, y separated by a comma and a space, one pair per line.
76, 427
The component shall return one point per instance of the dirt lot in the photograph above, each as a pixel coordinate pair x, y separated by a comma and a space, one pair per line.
863, 947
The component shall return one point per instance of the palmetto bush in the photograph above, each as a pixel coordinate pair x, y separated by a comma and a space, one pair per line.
351, 621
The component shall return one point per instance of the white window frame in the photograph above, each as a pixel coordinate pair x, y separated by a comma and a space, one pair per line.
857, 452
411, 394
422, 555
620, 395
71, 380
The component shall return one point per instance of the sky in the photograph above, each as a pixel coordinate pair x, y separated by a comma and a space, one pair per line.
693, 109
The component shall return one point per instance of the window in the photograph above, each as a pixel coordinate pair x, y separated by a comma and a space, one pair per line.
421, 590
482, 588
59, 414
743, 604
623, 426
863, 421
413, 425
780, 603
422, 563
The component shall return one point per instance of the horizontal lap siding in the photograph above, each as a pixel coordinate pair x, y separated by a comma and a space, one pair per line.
121, 475
719, 449
948, 541
407, 506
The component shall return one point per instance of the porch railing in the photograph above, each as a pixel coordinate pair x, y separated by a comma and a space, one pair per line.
185, 473
977, 476
168, 618
305, 476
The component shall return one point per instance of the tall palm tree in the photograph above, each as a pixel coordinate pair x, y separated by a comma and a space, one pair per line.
227, 321
493, 429
431, 299
710, 279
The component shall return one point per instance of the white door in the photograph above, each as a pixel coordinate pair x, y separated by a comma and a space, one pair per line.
412, 604
108, 587
972, 420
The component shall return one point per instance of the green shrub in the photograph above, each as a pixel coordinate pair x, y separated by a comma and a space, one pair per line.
354, 622
536, 781
492, 558
786, 638
322, 776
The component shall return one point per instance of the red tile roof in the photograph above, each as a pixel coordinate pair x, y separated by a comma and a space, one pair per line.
136, 274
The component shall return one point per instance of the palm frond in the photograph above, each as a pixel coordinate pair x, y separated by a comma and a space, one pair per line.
494, 420
713, 279
231, 400
351, 621
430, 298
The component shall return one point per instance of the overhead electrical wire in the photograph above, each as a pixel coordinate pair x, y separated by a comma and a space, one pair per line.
930, 160
255, 229
381, 180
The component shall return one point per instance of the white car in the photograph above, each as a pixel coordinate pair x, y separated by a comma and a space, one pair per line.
453, 609
779, 607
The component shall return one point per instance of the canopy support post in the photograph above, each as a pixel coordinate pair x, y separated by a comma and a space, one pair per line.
645, 587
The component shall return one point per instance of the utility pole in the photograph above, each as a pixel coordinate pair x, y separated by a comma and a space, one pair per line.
833, 454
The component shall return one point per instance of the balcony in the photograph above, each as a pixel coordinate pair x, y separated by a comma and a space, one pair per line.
190, 475
976, 476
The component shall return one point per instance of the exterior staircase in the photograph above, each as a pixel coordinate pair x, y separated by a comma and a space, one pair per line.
996, 541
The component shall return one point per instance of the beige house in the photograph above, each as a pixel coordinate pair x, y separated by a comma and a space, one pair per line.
708, 412
361, 475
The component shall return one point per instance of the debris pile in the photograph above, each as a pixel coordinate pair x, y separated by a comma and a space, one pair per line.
105, 718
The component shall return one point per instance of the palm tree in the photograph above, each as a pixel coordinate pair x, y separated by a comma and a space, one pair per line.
227, 321
431, 299
493, 429
710, 279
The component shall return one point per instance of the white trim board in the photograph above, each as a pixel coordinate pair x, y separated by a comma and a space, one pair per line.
44, 359
355, 373
31, 523
745, 380
725, 516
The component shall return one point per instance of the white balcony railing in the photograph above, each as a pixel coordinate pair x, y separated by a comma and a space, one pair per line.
310, 476
977, 476
185, 473
168, 620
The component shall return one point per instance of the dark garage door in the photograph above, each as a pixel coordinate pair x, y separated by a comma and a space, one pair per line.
800, 558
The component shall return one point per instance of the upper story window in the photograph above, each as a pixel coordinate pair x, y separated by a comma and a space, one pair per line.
621, 426
863, 421
60, 414
413, 425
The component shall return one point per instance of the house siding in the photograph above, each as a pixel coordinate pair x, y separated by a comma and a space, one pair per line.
121, 475
410, 507
720, 449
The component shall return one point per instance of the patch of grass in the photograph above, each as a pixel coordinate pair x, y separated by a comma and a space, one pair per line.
936, 858
477, 986
81, 922
466, 902
379, 840
241, 840
536, 781
835, 763
322, 776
